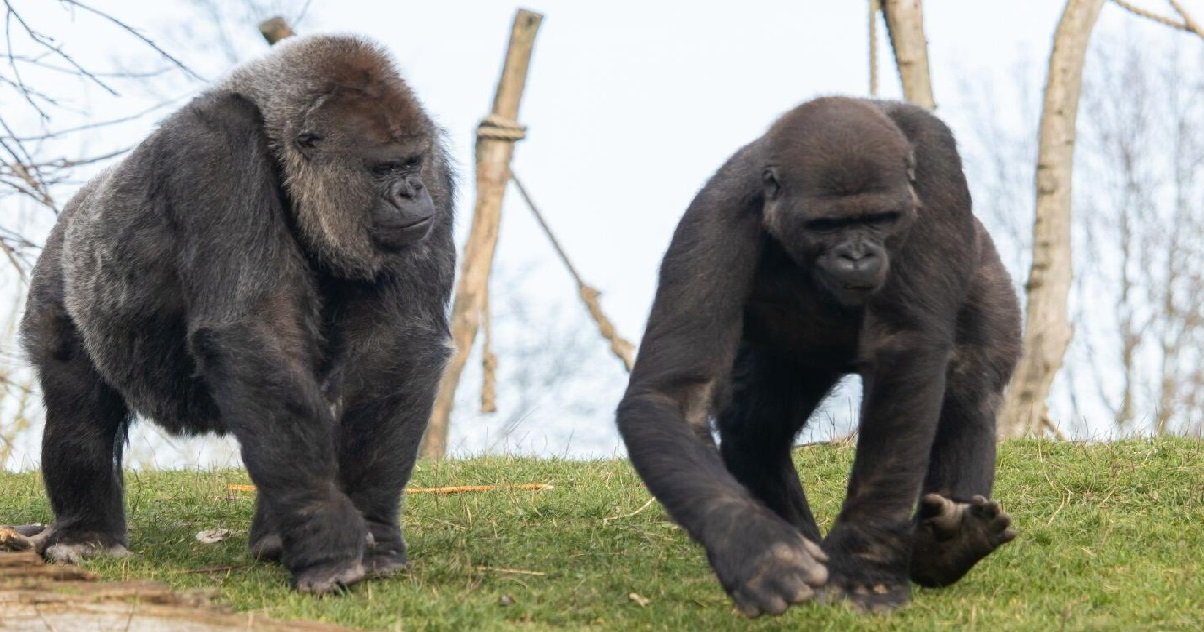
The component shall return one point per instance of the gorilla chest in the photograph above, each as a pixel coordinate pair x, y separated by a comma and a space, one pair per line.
789, 319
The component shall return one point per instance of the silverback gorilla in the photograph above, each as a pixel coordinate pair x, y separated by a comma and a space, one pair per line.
273, 262
839, 242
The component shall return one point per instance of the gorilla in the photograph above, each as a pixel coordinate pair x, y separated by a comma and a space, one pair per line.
274, 262
840, 242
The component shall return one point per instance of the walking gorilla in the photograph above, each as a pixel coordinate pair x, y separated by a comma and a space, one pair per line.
840, 242
274, 262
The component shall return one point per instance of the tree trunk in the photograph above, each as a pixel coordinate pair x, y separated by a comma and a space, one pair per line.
905, 24
1047, 327
495, 146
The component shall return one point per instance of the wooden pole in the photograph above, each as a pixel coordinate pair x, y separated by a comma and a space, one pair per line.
495, 146
275, 29
905, 24
875, 10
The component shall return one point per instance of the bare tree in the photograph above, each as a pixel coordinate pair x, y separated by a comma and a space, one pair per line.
1144, 220
51, 138
1047, 328
29, 140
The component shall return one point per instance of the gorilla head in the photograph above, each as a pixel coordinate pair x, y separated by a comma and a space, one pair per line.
838, 194
354, 144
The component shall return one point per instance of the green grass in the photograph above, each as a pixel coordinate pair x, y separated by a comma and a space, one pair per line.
1112, 538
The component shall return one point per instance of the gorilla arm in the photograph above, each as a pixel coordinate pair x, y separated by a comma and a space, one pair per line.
252, 331
684, 359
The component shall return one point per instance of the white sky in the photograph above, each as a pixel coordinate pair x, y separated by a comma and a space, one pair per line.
630, 106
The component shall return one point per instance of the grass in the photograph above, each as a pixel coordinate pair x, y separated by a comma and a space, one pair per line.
1112, 538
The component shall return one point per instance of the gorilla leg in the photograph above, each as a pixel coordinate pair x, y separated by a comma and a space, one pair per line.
271, 402
957, 525
81, 453
391, 389
771, 400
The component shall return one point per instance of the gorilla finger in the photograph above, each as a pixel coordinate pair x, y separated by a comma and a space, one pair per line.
932, 505
815, 574
1008, 535
793, 588
1001, 522
745, 605
986, 510
817, 553
772, 603
948, 522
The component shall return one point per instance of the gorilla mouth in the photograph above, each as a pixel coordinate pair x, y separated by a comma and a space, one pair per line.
396, 236
422, 222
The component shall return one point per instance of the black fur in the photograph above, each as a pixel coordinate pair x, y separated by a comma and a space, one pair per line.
192, 285
840, 242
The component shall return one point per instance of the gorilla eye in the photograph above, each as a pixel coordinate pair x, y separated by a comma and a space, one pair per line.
883, 219
307, 140
771, 183
390, 167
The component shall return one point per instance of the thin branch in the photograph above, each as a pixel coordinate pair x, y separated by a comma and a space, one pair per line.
8, 38
123, 74
49, 44
301, 14
1187, 24
92, 126
132, 31
1188, 21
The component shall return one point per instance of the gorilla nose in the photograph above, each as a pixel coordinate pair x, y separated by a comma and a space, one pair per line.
857, 265
856, 259
407, 188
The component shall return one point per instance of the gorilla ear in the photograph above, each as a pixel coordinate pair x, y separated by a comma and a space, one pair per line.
306, 141
772, 186
911, 166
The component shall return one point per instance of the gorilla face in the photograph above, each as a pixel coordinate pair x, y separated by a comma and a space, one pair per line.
364, 176
839, 196
844, 241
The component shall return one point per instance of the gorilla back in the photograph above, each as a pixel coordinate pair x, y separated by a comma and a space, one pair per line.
275, 262
839, 242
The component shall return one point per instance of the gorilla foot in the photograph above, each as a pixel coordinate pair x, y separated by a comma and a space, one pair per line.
72, 553
270, 548
384, 564
951, 537
324, 550
60, 547
328, 578
384, 555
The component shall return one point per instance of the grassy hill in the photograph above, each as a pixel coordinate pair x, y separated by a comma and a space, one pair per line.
1112, 538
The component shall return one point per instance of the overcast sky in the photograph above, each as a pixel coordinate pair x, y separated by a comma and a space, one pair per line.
630, 106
